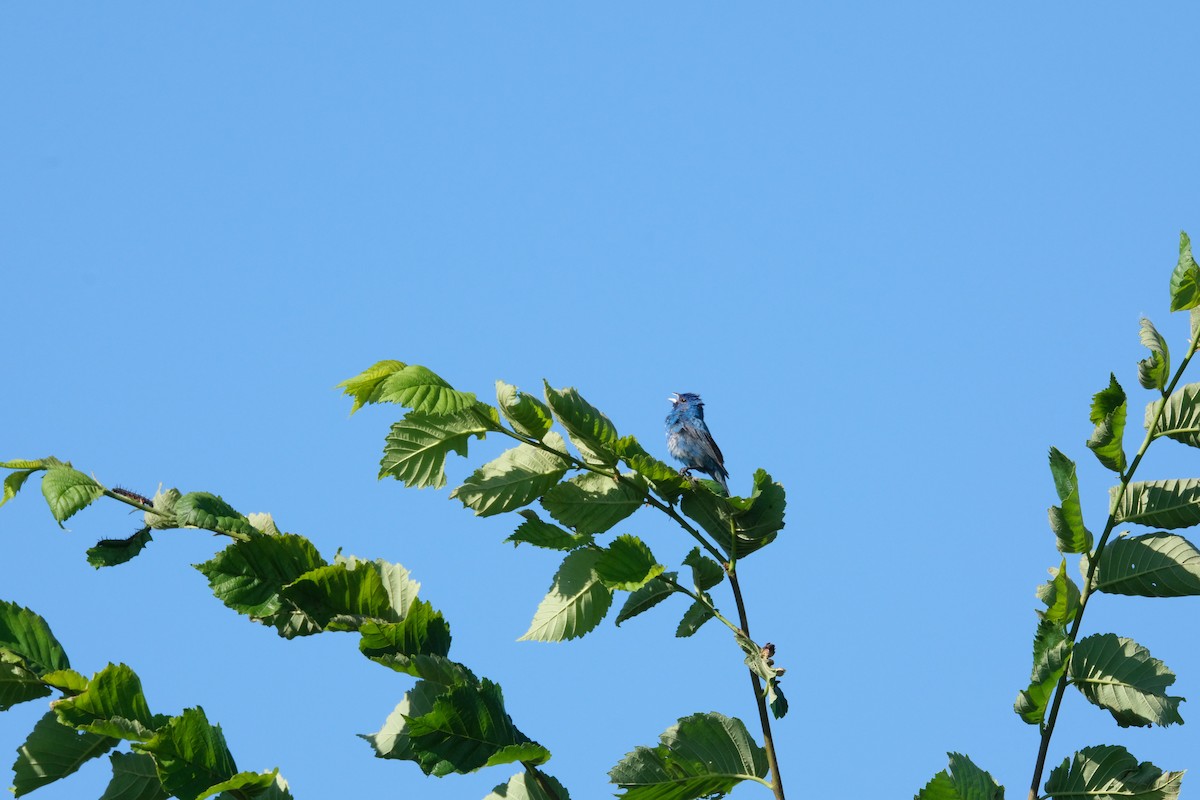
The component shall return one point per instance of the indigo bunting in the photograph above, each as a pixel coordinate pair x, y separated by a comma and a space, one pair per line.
689, 441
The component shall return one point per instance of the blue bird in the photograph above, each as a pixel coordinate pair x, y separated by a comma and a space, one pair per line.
689, 441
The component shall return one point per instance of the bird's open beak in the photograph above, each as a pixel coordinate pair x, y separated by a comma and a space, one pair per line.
674, 398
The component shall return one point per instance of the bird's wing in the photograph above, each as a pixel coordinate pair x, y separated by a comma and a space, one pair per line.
709, 443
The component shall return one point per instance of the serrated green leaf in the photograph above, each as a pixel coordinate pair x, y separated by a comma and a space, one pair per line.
576, 603
68, 681
526, 786
68, 491
26, 635
416, 448
249, 577
1110, 771
112, 705
702, 754
963, 781
539, 533
163, 515
1051, 648
1167, 504
1067, 520
422, 631
1185, 279
529, 753
515, 479
53, 751
591, 431
647, 597
190, 755
33, 463
1061, 596
1152, 565
1154, 371
1180, 417
13, 483
761, 662
706, 573
134, 778
739, 525
243, 784
665, 480
392, 740
17, 684
527, 415
211, 513
465, 729
1108, 415
418, 388
697, 614
111, 552
1121, 676
342, 596
594, 503
365, 383
627, 564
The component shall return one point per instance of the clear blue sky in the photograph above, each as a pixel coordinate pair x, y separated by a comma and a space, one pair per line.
895, 246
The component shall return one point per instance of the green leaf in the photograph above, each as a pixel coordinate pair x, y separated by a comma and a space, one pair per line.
190, 754
423, 631
539, 533
418, 388
211, 513
415, 450
627, 564
249, 576
163, 515
526, 786
515, 479
134, 778
665, 480
963, 781
13, 483
343, 595
68, 681
1067, 520
32, 463
244, 784
17, 684
1159, 504
1110, 771
739, 525
68, 491
110, 552
112, 705
1154, 371
392, 740
706, 573
1061, 596
577, 602
647, 597
1152, 565
527, 415
1051, 649
594, 503
1120, 675
697, 614
363, 385
591, 431
761, 661
466, 728
25, 634
701, 755
1180, 417
1108, 415
53, 751
1185, 279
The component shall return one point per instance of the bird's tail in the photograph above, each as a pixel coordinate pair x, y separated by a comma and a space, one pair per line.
719, 475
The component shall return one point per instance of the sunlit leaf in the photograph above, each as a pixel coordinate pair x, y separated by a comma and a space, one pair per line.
363, 385
706, 573
703, 754
539, 533
594, 503
527, 786
1153, 565
190, 754
68, 491
17, 684
627, 564
243, 784
1185, 279
13, 483
527, 415
392, 740
1067, 520
133, 778
25, 634
740, 525
515, 479
647, 597
112, 705
210, 512
416, 448
1061, 596
418, 388
1120, 675
576, 603
665, 480
590, 430
697, 614
1110, 771
1180, 415
962, 781
1154, 371
1108, 415
1051, 648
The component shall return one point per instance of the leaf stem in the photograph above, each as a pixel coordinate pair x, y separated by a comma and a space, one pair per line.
760, 699
1094, 563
